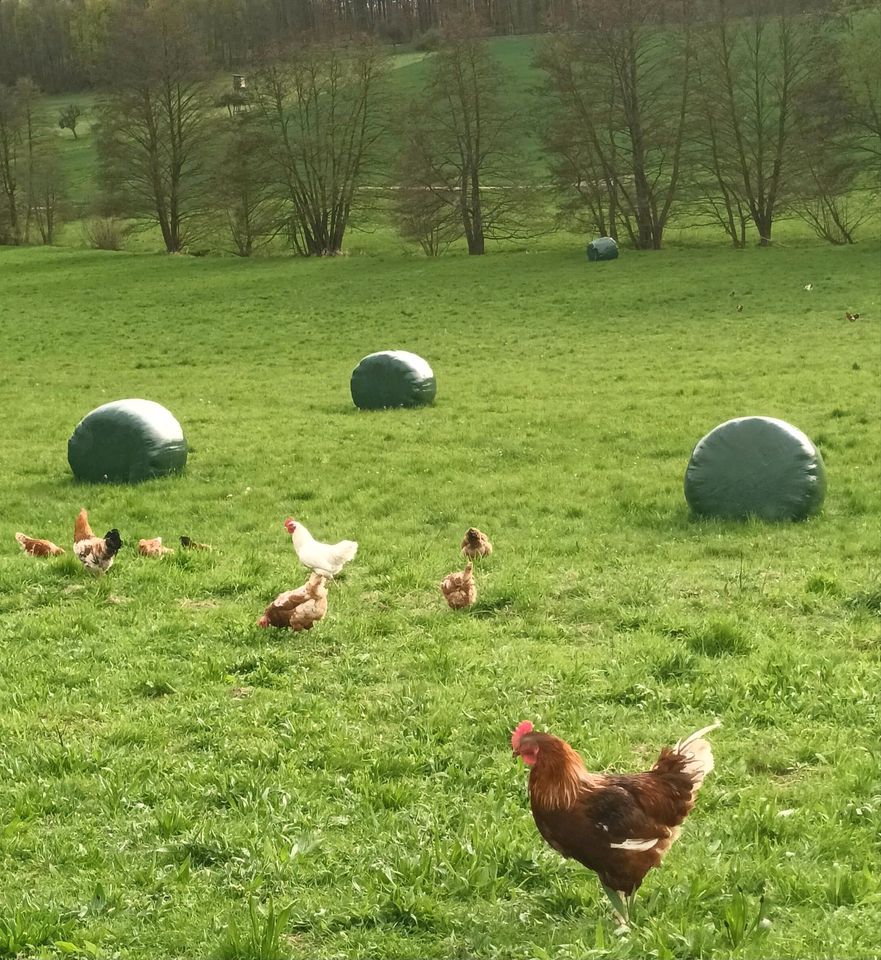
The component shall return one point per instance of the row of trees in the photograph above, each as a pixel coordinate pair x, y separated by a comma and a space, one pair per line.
61, 43
648, 112
31, 183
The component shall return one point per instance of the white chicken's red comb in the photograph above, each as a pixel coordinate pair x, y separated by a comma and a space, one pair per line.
522, 728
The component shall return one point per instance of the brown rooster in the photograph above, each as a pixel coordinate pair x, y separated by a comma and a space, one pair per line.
38, 548
476, 544
94, 553
152, 547
298, 609
459, 588
619, 826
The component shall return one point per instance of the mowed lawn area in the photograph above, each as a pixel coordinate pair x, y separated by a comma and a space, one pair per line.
168, 769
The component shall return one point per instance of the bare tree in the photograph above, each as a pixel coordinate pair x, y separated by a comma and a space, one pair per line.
427, 216
833, 165
28, 98
31, 181
859, 53
621, 83
153, 124
243, 188
47, 193
459, 160
11, 165
755, 74
69, 118
321, 108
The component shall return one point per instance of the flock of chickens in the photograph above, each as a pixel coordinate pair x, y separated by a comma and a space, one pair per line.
619, 826
298, 609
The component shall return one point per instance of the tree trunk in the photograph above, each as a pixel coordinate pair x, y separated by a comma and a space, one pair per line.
764, 221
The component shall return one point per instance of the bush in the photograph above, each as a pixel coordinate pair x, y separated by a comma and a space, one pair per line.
105, 233
429, 40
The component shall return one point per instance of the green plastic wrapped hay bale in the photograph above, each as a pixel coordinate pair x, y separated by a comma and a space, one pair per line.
127, 441
755, 466
392, 378
603, 248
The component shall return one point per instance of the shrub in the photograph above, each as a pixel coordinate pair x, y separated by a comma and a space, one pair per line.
429, 40
105, 233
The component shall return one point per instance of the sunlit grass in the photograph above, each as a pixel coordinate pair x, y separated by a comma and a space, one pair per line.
178, 782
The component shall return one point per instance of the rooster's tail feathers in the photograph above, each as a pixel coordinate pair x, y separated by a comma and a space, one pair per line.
698, 754
347, 550
82, 530
696, 736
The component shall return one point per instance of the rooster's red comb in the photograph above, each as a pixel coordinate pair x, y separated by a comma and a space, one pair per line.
524, 727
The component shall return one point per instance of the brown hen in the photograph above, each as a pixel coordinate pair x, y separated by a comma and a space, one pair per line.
459, 588
38, 548
476, 544
619, 826
298, 609
152, 547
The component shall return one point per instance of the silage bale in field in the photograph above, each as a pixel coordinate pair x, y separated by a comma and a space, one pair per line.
127, 441
392, 378
755, 466
603, 248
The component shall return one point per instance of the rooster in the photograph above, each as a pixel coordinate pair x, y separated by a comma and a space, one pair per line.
325, 559
152, 547
459, 588
476, 544
298, 609
94, 553
38, 548
619, 826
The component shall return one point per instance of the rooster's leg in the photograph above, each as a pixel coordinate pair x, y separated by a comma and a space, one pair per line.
620, 906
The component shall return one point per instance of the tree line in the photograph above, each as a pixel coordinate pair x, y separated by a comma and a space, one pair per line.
60, 44
650, 110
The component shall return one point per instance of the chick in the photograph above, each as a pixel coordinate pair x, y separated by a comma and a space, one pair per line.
189, 544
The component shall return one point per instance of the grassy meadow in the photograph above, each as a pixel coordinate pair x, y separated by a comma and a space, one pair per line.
178, 783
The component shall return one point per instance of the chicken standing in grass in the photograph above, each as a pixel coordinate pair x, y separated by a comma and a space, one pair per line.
38, 548
298, 609
152, 547
476, 544
325, 559
189, 544
459, 588
619, 826
94, 553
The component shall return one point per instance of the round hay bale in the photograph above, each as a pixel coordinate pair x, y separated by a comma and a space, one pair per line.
755, 466
127, 441
392, 378
603, 248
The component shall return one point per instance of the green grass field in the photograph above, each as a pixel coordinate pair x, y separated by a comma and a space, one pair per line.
165, 762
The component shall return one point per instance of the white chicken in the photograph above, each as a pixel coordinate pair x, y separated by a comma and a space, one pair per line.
325, 559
